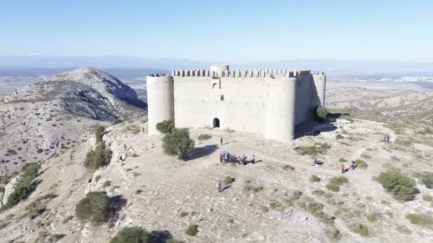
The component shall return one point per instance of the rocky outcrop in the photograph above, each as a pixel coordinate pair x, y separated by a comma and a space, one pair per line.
48, 117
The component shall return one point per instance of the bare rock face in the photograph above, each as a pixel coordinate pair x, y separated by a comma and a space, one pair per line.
46, 118
105, 84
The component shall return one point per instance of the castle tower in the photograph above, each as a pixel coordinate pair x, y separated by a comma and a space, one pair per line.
160, 101
219, 69
280, 109
320, 83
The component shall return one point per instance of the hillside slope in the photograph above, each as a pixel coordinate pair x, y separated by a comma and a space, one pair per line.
46, 118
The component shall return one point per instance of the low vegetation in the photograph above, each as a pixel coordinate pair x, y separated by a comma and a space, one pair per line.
93, 208
178, 143
402, 187
131, 234
314, 178
335, 183
314, 150
192, 230
165, 126
322, 113
99, 133
98, 158
420, 219
24, 187
202, 137
361, 164
229, 180
360, 229
425, 178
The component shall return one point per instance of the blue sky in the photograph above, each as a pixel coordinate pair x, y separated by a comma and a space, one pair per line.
224, 30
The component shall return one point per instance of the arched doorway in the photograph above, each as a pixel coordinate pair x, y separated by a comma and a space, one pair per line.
216, 122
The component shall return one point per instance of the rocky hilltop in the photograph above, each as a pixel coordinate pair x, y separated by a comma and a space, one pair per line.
46, 118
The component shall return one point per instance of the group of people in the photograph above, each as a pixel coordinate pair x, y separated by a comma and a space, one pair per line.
225, 156
353, 165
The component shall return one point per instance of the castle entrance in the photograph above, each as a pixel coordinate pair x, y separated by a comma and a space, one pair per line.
216, 122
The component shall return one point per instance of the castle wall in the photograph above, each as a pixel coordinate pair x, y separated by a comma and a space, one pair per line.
269, 102
304, 91
160, 101
198, 101
320, 87
280, 109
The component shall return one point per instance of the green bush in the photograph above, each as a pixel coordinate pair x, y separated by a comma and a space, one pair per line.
93, 208
322, 113
360, 229
99, 133
4, 179
400, 186
333, 187
229, 180
288, 167
178, 143
339, 136
426, 178
420, 219
361, 164
131, 235
202, 137
2, 189
314, 150
97, 158
192, 230
24, 186
314, 178
165, 126
338, 180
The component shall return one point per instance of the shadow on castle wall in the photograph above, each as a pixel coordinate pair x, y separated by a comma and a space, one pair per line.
314, 127
203, 151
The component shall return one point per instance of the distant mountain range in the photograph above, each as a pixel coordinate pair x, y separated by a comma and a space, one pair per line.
330, 66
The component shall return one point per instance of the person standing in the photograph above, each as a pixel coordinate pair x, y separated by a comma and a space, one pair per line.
219, 186
342, 168
221, 141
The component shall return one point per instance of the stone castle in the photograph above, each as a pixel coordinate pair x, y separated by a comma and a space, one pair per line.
268, 102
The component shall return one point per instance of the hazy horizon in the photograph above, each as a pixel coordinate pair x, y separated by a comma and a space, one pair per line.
223, 31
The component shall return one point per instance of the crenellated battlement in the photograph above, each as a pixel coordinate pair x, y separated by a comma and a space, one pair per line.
241, 73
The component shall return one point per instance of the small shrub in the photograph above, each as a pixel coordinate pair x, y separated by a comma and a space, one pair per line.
165, 126
342, 160
229, 180
39, 150
117, 121
131, 235
202, 137
314, 150
192, 230
360, 229
139, 191
338, 180
24, 186
426, 178
314, 178
333, 187
288, 167
97, 158
98, 177
339, 136
134, 155
420, 219
67, 219
106, 184
99, 133
183, 214
400, 186
94, 208
322, 113
361, 164
178, 143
